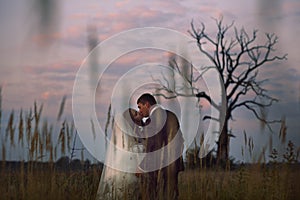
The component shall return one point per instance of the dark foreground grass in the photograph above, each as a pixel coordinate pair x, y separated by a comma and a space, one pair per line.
48, 183
251, 182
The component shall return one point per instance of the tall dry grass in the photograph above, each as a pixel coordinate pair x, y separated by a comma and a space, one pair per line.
248, 182
47, 183
38, 177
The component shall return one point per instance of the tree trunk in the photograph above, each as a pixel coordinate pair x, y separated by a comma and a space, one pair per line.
223, 145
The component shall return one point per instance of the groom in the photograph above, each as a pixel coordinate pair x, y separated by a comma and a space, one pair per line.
160, 179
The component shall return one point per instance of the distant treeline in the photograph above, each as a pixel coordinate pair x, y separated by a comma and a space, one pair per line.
63, 164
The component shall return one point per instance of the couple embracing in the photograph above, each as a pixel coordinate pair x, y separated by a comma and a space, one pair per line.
155, 134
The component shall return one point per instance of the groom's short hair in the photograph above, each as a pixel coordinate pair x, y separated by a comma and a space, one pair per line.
146, 97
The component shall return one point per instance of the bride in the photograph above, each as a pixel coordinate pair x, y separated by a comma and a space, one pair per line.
118, 178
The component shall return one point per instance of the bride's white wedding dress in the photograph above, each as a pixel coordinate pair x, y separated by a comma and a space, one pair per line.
118, 179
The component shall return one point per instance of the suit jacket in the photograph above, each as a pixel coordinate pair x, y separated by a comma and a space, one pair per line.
163, 141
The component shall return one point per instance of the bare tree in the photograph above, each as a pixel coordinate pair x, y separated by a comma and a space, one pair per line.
237, 56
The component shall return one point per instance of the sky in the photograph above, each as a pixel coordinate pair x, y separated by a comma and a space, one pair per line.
44, 44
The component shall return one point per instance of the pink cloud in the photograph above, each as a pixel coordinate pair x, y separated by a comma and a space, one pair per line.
147, 13
122, 3
117, 27
79, 16
74, 31
170, 6
210, 10
132, 15
43, 39
45, 95
104, 36
71, 33
142, 56
290, 7
57, 67
135, 17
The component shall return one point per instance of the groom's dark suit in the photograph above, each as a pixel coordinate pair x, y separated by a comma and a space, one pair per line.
163, 164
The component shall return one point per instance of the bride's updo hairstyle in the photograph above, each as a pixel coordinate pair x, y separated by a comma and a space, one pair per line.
131, 116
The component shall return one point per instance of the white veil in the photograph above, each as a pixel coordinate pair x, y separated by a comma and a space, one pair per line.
117, 178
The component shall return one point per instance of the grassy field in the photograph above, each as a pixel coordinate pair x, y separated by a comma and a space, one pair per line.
252, 182
41, 178
48, 184
280, 181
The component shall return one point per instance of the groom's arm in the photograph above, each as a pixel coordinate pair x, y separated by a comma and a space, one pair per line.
170, 133
154, 140
157, 121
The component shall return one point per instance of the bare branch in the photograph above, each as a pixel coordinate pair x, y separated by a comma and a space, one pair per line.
200, 35
254, 102
267, 122
211, 118
205, 96
238, 59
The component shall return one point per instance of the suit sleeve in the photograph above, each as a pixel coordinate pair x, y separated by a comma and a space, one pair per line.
169, 132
